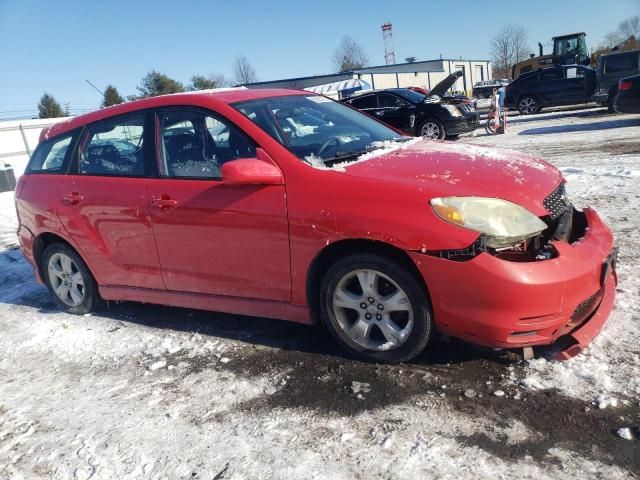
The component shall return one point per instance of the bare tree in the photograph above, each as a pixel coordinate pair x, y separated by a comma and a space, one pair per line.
243, 71
508, 47
627, 28
349, 55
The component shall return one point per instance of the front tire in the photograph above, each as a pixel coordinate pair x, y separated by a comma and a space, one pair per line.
68, 279
611, 99
375, 309
528, 105
432, 128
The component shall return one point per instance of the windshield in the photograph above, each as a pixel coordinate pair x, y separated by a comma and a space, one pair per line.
411, 95
316, 129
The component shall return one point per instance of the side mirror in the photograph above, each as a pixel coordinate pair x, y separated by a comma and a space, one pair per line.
252, 171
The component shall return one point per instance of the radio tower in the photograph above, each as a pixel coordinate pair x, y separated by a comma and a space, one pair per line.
389, 52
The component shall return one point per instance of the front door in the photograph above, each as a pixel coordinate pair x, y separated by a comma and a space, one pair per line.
103, 204
394, 111
552, 86
214, 238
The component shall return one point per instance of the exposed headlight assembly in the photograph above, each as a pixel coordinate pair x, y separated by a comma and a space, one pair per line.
503, 223
453, 110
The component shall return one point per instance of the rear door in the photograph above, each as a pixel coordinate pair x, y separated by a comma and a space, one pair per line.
215, 238
103, 203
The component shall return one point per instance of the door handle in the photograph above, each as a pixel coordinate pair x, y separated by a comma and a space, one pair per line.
72, 198
163, 202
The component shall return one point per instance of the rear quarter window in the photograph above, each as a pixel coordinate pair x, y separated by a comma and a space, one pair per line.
621, 63
50, 155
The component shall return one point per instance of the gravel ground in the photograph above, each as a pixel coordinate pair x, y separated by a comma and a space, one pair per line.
142, 391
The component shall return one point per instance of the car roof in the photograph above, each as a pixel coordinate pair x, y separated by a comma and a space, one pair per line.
618, 52
197, 98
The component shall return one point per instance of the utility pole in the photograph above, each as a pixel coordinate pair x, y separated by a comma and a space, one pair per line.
389, 52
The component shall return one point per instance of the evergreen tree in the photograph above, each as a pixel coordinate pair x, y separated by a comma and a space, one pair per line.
49, 107
200, 82
156, 83
111, 96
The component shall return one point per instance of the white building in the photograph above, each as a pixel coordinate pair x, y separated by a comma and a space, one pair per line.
425, 74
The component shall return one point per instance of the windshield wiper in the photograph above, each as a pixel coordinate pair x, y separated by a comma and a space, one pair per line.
342, 156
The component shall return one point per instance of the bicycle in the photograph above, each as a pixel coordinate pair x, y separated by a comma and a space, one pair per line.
492, 125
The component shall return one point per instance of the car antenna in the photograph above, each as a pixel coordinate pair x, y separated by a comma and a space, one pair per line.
99, 91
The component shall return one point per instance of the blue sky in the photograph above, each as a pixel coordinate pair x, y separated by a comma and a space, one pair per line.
54, 46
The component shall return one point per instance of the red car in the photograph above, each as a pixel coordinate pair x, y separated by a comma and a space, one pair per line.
284, 204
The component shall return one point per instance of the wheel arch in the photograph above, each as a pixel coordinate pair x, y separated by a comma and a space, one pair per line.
526, 94
45, 239
341, 248
429, 116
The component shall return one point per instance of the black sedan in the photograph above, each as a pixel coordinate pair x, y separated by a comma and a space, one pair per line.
417, 114
628, 98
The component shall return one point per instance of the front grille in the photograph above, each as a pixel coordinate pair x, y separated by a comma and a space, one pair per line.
466, 108
557, 202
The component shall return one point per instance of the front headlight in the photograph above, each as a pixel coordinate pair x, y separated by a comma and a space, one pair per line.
453, 110
503, 223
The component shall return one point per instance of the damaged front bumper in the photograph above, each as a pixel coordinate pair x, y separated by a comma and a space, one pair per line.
494, 302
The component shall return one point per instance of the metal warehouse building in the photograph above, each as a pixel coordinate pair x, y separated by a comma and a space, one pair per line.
426, 74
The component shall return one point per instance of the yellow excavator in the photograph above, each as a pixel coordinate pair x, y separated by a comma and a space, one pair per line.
569, 50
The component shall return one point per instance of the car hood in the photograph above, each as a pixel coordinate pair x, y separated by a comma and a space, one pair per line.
449, 169
441, 88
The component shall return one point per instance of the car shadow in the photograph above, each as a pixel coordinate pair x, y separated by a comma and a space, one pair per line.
18, 287
627, 122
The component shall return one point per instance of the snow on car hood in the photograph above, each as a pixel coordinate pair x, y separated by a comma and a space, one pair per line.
454, 169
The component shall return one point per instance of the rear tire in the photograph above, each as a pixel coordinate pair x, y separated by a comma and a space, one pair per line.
528, 105
375, 309
432, 128
69, 280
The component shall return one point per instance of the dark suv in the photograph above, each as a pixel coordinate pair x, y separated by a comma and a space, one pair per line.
417, 114
610, 69
550, 87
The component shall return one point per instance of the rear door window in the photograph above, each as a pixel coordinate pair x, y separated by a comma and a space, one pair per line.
621, 63
50, 155
364, 103
114, 147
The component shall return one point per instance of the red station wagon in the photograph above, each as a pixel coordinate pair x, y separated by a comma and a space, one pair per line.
288, 205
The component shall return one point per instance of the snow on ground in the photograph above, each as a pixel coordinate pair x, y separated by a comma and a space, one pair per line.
142, 391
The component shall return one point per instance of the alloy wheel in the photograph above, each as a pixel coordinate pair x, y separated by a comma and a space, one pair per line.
372, 310
430, 130
66, 279
528, 105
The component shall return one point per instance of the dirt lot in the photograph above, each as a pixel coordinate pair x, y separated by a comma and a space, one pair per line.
141, 391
